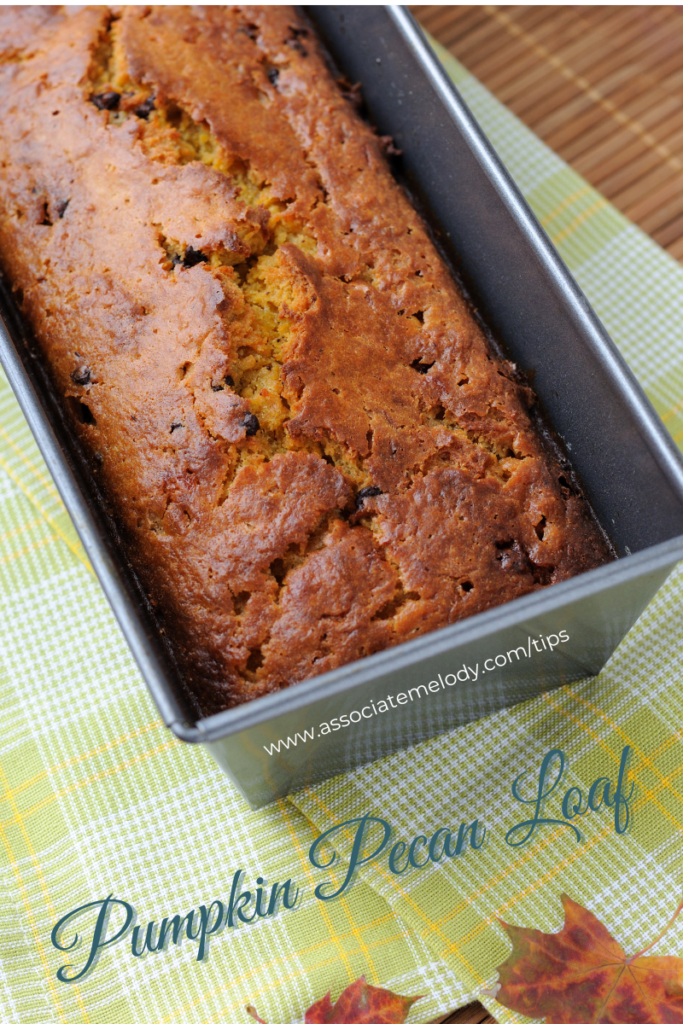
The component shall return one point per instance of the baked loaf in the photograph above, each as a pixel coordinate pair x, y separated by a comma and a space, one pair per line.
311, 449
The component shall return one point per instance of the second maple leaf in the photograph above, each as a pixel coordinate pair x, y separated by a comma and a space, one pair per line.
581, 975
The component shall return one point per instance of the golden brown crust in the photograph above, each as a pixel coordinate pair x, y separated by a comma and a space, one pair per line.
310, 447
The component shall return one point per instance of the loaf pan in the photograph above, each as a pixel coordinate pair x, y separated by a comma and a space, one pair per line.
627, 463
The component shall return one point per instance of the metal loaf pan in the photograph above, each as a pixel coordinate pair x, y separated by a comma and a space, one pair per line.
626, 461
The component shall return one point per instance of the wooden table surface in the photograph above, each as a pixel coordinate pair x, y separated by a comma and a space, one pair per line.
603, 87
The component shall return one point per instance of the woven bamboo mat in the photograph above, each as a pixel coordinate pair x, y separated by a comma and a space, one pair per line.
474, 1014
603, 87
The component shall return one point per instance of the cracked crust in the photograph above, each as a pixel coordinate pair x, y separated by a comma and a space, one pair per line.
309, 445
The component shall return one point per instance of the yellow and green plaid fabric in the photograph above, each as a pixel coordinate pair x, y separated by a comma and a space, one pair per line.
97, 798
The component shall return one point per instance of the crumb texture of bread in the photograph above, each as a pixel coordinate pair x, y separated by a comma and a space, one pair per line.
309, 444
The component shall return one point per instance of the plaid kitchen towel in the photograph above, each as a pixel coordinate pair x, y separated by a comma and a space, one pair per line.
96, 798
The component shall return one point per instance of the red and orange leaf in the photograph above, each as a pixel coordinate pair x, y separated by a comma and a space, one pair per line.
361, 1004
358, 1004
581, 975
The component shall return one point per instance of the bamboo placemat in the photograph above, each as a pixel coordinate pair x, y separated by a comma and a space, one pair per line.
602, 86
474, 1014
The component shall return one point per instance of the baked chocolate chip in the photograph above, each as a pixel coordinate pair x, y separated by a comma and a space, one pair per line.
421, 367
192, 257
106, 100
298, 46
221, 387
367, 492
565, 487
296, 34
273, 75
250, 424
145, 108
81, 375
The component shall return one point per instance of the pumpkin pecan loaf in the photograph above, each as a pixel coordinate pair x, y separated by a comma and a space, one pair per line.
311, 448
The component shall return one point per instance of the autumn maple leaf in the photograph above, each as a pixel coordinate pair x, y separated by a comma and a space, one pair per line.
358, 1004
581, 975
